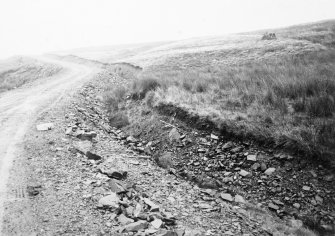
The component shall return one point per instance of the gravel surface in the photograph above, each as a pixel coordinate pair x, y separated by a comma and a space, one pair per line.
113, 190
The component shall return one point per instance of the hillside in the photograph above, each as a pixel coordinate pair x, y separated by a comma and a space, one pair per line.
279, 92
213, 102
17, 71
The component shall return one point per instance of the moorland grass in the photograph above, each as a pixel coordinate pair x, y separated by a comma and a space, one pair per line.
286, 94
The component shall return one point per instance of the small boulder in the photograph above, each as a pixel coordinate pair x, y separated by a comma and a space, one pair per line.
82, 146
255, 166
273, 206
157, 223
228, 145
136, 226
319, 199
45, 126
151, 204
114, 173
244, 173
263, 166
131, 139
306, 188
124, 220
93, 156
239, 198
68, 131
236, 149
296, 205
174, 135
87, 135
226, 197
270, 171
214, 137
110, 202
115, 186
138, 209
329, 178
252, 158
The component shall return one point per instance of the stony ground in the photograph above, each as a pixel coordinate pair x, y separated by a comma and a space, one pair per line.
82, 180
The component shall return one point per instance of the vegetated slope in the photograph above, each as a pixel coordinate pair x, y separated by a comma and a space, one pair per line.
279, 92
18, 71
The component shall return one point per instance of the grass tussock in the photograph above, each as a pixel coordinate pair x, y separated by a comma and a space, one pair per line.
289, 99
118, 119
141, 87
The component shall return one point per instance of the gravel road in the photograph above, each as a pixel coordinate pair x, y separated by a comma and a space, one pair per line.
20, 107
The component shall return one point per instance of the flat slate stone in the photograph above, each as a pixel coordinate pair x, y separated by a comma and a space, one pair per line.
270, 171
45, 126
227, 197
252, 157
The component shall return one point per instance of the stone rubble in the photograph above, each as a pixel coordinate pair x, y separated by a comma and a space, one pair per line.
137, 212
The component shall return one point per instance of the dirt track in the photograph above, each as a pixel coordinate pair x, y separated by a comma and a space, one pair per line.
19, 108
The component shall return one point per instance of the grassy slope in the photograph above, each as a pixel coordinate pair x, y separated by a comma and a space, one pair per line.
18, 71
280, 91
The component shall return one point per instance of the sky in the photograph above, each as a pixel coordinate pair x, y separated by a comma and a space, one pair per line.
38, 26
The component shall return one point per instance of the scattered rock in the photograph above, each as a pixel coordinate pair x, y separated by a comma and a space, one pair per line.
68, 131
45, 126
152, 205
255, 166
165, 232
131, 139
278, 202
136, 226
93, 156
114, 173
319, 199
270, 171
138, 209
252, 158
157, 223
329, 178
273, 206
263, 166
180, 232
87, 135
226, 197
202, 150
124, 220
306, 188
296, 205
193, 232
33, 190
228, 145
239, 198
111, 202
82, 146
295, 223
214, 137
115, 186
236, 149
245, 173
174, 135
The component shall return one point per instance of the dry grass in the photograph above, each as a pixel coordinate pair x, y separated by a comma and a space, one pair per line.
288, 98
280, 90
18, 71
